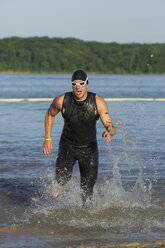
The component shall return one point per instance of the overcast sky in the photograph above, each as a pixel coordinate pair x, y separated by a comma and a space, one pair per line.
122, 21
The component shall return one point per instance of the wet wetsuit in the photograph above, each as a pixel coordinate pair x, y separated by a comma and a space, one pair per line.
78, 142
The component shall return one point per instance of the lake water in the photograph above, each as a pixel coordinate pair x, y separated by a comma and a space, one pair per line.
129, 196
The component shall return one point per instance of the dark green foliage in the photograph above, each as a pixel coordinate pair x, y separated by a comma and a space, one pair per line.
54, 55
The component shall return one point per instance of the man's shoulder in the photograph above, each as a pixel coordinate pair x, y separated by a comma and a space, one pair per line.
70, 93
99, 98
100, 102
59, 98
93, 94
58, 101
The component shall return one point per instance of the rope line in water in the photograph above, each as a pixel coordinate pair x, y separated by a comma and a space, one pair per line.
106, 99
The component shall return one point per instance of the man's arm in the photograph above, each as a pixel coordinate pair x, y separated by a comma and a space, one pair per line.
105, 118
54, 109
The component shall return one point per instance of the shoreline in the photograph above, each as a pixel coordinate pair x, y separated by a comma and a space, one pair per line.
83, 244
11, 230
89, 73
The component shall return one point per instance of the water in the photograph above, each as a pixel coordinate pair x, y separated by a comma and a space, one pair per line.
129, 196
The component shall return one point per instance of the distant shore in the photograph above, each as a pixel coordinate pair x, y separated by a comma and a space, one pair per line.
65, 55
89, 73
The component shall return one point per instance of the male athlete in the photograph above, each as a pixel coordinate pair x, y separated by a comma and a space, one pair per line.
80, 110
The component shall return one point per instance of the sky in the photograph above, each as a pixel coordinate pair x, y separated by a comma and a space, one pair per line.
121, 21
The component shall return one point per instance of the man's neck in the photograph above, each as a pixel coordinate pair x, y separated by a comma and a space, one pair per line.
82, 99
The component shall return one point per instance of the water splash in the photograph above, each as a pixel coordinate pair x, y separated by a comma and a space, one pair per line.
115, 206
140, 194
109, 193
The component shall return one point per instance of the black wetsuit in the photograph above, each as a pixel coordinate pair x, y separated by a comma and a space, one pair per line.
78, 142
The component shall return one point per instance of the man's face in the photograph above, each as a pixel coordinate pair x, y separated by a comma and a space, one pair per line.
79, 91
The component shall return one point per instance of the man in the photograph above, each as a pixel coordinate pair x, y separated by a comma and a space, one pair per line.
80, 110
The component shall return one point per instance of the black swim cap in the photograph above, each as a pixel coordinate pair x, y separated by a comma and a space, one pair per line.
79, 74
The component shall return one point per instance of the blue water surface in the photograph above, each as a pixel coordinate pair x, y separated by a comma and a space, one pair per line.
130, 190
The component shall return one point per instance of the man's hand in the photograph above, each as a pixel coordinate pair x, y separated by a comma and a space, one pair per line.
47, 147
107, 135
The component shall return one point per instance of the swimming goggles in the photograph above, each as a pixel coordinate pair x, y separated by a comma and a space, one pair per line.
82, 83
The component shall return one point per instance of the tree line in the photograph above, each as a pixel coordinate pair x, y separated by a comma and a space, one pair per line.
64, 55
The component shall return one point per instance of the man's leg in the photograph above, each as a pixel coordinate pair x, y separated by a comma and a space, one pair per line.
64, 163
88, 165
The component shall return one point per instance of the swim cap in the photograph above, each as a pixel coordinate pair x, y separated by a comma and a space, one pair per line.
79, 74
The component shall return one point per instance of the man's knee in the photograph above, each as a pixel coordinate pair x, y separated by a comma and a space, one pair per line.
63, 176
87, 185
